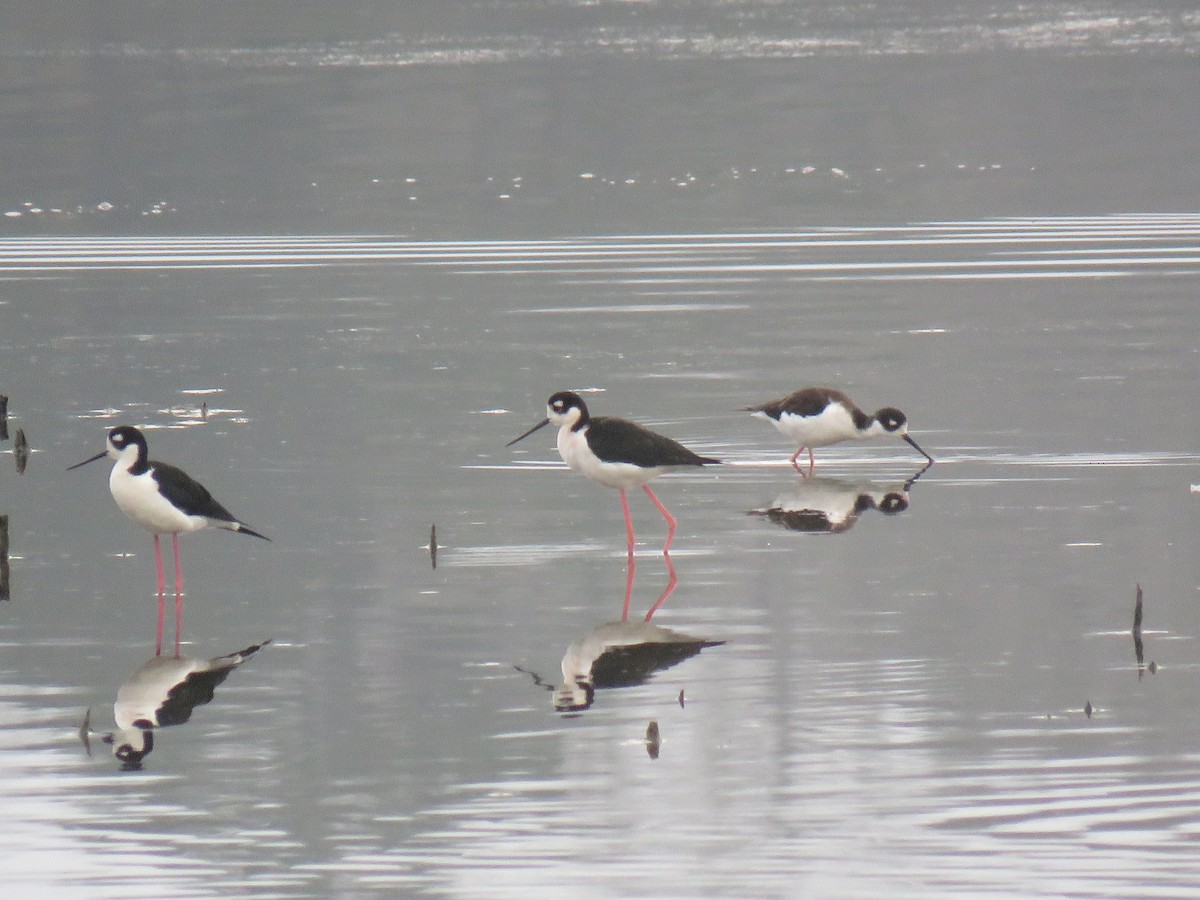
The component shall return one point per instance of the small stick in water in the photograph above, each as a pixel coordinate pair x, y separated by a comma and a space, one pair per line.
20, 450
85, 731
3, 417
1087, 709
1137, 630
433, 545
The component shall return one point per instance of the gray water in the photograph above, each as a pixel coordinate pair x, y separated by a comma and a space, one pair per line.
371, 239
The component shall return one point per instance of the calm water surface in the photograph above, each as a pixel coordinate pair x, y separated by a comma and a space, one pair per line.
372, 244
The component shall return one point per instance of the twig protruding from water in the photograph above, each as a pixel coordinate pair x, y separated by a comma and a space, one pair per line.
20, 450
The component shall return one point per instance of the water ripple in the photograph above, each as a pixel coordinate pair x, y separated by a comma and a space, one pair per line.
1005, 249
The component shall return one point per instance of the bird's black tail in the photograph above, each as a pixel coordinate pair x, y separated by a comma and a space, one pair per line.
245, 529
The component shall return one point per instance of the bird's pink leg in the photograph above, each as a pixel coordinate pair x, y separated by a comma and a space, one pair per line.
628, 524
671, 523
796, 456
162, 600
812, 463
670, 589
178, 593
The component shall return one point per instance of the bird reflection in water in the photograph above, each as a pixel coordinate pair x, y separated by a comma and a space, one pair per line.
162, 692
820, 505
620, 654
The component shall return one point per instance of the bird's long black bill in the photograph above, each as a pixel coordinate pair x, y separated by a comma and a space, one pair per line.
541, 424
100, 455
917, 447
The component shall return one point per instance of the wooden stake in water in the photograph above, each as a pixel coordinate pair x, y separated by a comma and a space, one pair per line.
4, 594
433, 545
3, 417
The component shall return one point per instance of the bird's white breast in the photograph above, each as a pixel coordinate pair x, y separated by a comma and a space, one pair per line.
138, 498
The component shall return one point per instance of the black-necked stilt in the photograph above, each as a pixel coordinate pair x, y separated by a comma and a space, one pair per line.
615, 452
820, 416
163, 500
161, 693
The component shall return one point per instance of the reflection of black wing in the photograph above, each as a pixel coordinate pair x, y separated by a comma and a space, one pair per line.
820, 521
619, 440
195, 690
811, 521
632, 665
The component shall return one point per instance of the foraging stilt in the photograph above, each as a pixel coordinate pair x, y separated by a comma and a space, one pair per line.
820, 416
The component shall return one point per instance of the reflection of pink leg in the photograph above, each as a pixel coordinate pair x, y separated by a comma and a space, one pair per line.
178, 593
670, 589
630, 571
671, 523
162, 600
628, 524
811, 461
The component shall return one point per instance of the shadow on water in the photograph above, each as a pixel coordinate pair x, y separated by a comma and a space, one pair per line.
818, 505
162, 692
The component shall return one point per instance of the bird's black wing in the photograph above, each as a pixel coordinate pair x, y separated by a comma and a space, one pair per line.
809, 402
619, 440
187, 493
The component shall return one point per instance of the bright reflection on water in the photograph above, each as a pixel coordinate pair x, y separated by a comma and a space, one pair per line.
884, 680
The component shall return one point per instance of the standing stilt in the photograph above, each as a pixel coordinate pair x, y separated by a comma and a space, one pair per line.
614, 452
